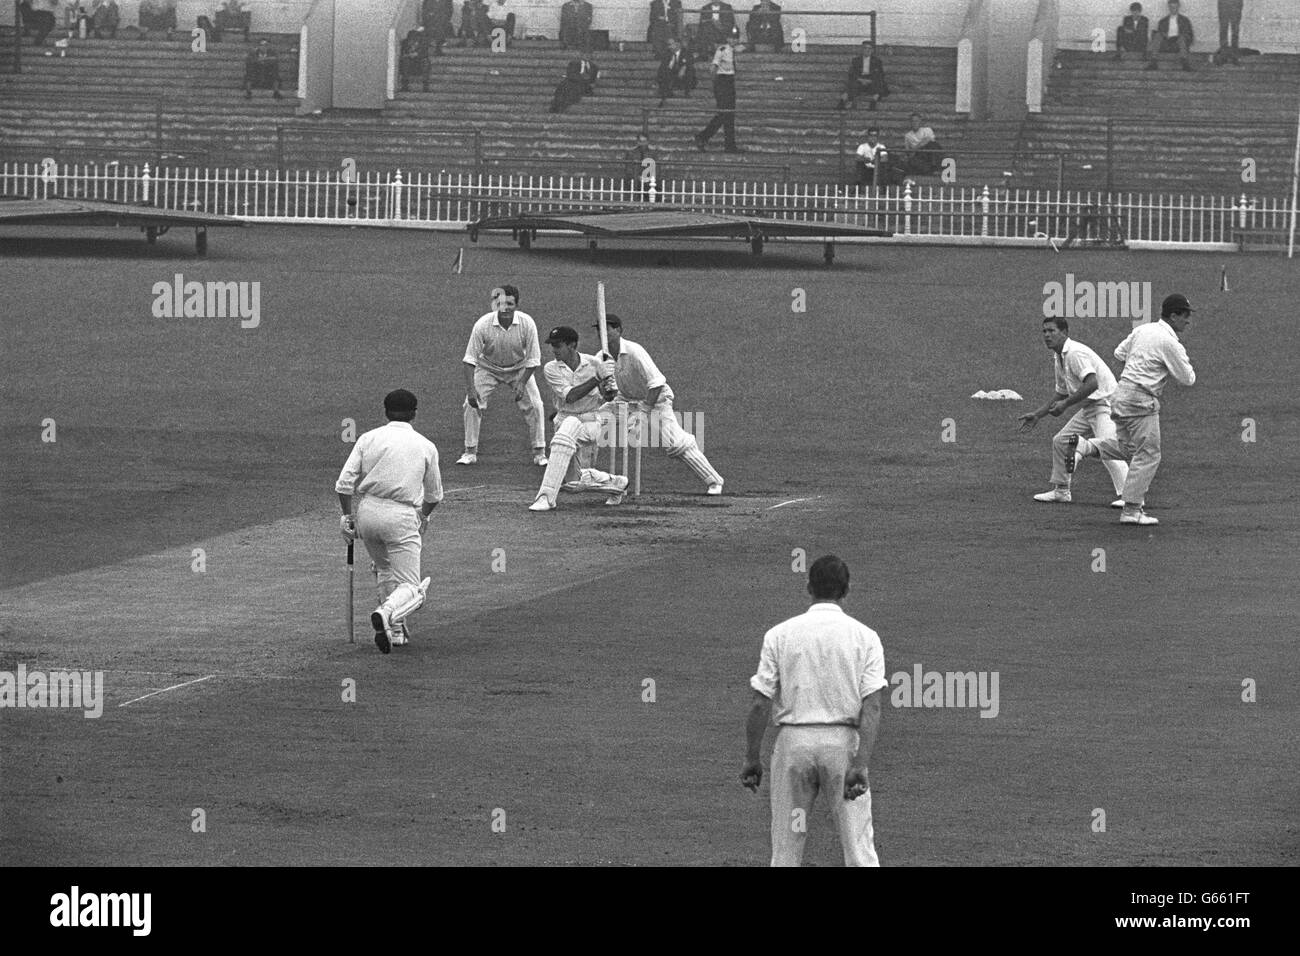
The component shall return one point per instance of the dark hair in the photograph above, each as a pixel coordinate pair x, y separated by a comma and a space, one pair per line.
1135, 8
1060, 323
511, 291
828, 578
399, 405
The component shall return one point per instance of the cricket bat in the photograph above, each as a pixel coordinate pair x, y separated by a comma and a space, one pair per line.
600, 320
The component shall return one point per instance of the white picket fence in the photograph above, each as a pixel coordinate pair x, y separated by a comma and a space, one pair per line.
453, 200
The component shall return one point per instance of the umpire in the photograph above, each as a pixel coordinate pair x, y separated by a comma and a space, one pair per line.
825, 672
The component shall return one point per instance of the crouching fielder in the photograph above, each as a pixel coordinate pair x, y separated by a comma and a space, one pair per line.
575, 379
393, 471
640, 382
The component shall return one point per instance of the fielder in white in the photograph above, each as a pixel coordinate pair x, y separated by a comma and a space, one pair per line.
642, 384
576, 381
825, 674
1151, 354
393, 471
503, 353
1082, 379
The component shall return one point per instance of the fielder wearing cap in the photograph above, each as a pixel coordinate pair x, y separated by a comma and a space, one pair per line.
824, 673
393, 472
1151, 355
503, 353
574, 379
641, 383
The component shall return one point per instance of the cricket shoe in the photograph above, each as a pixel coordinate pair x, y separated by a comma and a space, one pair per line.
540, 460
574, 486
381, 622
541, 504
1136, 516
1072, 455
469, 458
617, 486
400, 635
1055, 496
714, 489
1117, 503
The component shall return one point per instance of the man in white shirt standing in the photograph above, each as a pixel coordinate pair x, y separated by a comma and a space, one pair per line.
825, 674
503, 353
393, 470
1082, 379
724, 97
1151, 354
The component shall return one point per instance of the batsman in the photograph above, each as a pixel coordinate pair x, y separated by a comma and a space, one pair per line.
393, 472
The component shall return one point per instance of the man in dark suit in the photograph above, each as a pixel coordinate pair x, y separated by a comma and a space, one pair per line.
436, 15
1134, 33
866, 77
658, 32
764, 26
1229, 30
676, 71
262, 69
717, 24
414, 59
579, 81
575, 25
1173, 34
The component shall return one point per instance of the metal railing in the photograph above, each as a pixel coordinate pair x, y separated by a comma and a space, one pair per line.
453, 200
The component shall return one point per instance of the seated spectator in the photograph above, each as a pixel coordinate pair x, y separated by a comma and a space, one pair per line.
866, 77
232, 16
38, 23
157, 15
676, 72
1134, 33
717, 24
922, 151
413, 59
474, 25
764, 26
262, 70
579, 81
502, 17
1229, 31
106, 16
875, 167
575, 25
436, 16
80, 19
1173, 34
204, 23
659, 32
638, 178
675, 19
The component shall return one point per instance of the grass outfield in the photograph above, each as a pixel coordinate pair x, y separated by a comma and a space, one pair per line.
523, 689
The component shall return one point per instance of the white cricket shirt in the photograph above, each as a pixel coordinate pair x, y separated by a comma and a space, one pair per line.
504, 352
636, 374
1075, 363
563, 379
817, 667
395, 462
1150, 355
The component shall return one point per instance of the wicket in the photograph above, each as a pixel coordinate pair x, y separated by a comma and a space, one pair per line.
622, 437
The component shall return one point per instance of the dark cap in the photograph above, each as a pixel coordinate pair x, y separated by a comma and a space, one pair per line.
400, 401
611, 320
1173, 304
562, 333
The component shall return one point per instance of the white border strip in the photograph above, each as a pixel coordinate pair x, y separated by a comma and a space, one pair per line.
197, 680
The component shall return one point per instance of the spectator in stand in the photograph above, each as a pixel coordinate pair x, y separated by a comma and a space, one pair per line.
717, 23
922, 149
262, 70
38, 23
874, 166
436, 15
675, 19
414, 58
764, 26
575, 25
157, 15
501, 15
1173, 34
866, 77
474, 26
1134, 33
640, 176
104, 17
79, 16
659, 33
676, 72
1229, 30
233, 17
579, 81
724, 96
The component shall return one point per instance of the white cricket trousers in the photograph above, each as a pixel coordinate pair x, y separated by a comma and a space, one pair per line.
1092, 420
390, 530
808, 760
487, 385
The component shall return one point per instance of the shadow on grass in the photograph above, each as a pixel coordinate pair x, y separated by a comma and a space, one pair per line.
126, 246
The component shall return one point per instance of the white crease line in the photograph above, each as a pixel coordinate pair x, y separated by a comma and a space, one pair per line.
792, 501
470, 488
197, 680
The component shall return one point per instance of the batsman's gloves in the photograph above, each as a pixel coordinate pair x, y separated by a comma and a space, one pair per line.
606, 369
348, 526
608, 389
